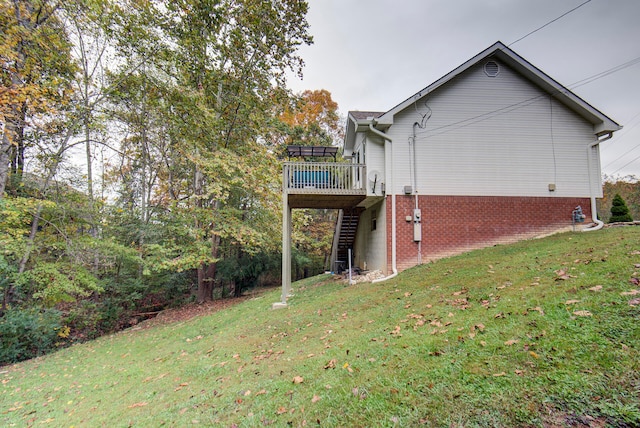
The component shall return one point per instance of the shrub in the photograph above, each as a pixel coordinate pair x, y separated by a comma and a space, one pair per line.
28, 333
619, 210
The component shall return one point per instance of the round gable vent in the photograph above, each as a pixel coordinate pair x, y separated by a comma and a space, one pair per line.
491, 69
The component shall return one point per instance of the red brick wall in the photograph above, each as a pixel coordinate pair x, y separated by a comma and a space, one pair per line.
455, 224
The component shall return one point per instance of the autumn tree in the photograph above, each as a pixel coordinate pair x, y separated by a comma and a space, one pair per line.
215, 70
36, 109
35, 73
312, 119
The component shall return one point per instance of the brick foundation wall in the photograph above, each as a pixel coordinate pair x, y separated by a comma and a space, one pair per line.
455, 224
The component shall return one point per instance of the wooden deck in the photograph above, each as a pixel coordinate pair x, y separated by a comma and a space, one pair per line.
324, 184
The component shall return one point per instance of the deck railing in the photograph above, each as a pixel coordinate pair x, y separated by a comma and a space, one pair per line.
324, 177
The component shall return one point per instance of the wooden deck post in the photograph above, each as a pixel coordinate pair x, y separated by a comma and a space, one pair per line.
286, 252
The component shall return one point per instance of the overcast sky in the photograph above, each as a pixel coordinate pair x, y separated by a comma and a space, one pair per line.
373, 54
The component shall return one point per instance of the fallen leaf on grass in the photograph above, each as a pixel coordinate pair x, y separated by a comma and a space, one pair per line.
630, 293
331, 364
582, 313
634, 302
562, 275
538, 309
360, 394
596, 288
281, 410
261, 392
297, 379
571, 302
499, 374
511, 342
140, 404
472, 333
315, 399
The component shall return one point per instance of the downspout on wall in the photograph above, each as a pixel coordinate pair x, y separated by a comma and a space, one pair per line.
594, 208
388, 156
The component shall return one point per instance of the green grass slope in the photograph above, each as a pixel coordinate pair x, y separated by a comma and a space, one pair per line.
540, 333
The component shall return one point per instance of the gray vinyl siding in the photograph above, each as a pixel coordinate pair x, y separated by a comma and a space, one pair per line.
371, 152
494, 136
371, 245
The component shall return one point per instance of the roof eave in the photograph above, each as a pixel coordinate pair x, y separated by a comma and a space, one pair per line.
355, 125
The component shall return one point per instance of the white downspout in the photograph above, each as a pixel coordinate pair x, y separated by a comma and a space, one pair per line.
594, 209
388, 155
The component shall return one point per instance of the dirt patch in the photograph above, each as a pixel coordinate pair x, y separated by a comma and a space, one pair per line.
554, 418
191, 310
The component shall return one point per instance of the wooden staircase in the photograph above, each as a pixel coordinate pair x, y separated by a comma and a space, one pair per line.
345, 235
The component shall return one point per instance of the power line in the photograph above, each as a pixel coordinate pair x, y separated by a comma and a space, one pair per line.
606, 72
548, 23
627, 129
626, 164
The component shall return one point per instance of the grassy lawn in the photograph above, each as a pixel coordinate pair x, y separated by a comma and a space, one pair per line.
540, 333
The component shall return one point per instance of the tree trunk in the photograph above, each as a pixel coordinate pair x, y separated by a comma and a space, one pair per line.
12, 146
207, 272
5, 148
205, 288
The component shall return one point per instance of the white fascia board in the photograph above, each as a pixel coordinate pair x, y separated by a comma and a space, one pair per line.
350, 136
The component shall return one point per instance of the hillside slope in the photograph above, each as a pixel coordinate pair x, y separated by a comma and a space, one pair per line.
540, 333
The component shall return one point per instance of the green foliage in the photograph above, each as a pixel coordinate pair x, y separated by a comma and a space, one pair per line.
54, 283
28, 333
312, 237
619, 210
245, 269
16, 216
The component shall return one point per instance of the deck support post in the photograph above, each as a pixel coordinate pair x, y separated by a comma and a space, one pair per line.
286, 253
